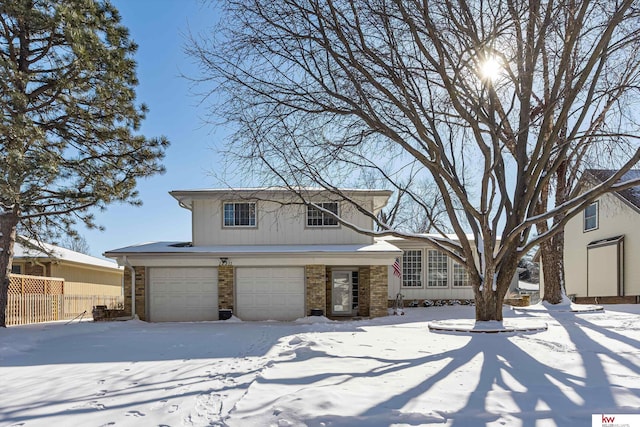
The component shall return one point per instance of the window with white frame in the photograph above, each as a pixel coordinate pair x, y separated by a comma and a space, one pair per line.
460, 275
240, 214
437, 269
412, 269
318, 218
591, 217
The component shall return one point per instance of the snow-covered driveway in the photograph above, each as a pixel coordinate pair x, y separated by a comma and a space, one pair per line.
389, 371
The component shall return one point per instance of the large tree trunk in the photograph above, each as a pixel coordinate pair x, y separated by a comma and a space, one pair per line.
8, 224
488, 306
552, 250
489, 301
553, 268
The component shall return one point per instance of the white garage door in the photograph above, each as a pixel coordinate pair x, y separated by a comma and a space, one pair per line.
270, 293
183, 294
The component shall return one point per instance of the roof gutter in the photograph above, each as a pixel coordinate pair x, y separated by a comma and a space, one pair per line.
126, 263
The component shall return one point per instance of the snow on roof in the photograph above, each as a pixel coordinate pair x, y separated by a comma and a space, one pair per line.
186, 248
279, 190
62, 254
632, 195
435, 236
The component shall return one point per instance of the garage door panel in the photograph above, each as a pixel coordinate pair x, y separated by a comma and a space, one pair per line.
183, 294
270, 293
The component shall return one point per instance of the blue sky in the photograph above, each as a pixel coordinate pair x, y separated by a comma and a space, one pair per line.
159, 28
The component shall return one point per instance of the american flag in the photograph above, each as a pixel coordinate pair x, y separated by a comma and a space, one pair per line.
397, 269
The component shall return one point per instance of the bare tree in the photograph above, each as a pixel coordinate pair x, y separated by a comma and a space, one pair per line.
420, 210
77, 243
489, 99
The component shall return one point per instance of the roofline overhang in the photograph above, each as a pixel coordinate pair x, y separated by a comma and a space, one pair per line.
370, 254
59, 261
589, 177
185, 198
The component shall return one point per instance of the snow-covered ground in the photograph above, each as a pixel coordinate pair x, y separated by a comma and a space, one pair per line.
381, 372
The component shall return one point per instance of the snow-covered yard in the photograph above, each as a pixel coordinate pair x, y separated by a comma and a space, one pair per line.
388, 371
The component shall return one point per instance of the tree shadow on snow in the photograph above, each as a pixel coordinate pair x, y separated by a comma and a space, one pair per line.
513, 387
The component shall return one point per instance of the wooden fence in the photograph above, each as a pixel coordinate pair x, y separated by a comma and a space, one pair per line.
23, 284
35, 308
34, 299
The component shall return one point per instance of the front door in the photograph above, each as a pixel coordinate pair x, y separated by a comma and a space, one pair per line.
341, 293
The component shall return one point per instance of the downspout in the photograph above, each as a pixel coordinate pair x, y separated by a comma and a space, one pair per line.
44, 272
126, 263
44, 267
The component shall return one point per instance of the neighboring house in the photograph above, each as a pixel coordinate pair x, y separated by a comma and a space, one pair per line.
602, 244
429, 274
82, 274
263, 255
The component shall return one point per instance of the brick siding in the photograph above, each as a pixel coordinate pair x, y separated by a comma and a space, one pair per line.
316, 295
140, 292
225, 287
378, 291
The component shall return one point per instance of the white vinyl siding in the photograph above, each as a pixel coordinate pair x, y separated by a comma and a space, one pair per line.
615, 218
275, 225
455, 285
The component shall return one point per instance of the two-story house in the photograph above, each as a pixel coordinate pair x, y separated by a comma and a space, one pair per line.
262, 254
602, 244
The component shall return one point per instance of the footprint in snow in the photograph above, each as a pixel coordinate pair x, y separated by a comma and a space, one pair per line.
159, 404
134, 414
93, 404
172, 409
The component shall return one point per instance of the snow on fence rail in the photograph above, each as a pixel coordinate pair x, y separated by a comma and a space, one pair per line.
35, 308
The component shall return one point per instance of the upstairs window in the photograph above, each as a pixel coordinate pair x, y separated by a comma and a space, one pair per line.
318, 218
239, 214
412, 269
591, 217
